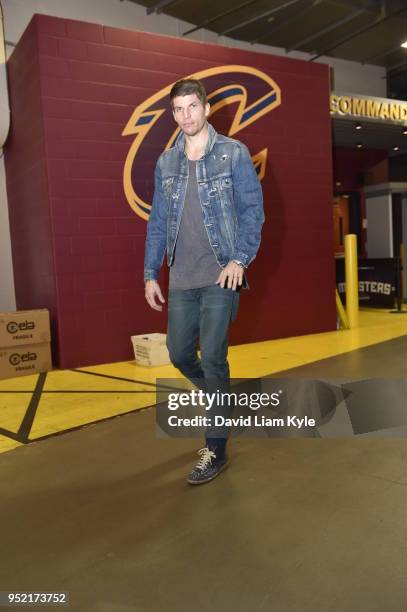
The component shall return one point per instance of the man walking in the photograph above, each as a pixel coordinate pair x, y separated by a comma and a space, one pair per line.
207, 213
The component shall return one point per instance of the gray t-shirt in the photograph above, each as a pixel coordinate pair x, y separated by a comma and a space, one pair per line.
194, 263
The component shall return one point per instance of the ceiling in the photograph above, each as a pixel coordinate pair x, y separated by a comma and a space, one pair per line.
372, 135
365, 31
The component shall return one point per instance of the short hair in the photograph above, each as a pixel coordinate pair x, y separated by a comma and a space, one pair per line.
185, 87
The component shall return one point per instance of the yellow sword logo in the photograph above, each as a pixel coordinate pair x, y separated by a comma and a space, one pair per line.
148, 113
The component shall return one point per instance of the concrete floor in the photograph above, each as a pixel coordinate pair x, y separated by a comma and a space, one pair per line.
293, 525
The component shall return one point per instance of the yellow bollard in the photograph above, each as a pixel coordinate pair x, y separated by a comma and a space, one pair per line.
341, 311
351, 280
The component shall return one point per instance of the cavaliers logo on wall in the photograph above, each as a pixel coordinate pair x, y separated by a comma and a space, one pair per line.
153, 128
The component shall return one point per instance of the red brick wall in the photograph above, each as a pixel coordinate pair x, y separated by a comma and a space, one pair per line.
91, 79
27, 184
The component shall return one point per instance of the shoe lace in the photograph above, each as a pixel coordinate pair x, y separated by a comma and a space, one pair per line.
206, 458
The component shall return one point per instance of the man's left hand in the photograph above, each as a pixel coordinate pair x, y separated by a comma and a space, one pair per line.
231, 276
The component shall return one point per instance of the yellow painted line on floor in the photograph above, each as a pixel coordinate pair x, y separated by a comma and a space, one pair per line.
262, 358
82, 381
6, 444
22, 383
13, 407
129, 369
73, 398
63, 411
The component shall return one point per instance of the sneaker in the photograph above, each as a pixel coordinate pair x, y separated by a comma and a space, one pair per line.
207, 468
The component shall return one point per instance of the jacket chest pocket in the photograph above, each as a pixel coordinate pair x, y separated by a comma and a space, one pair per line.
226, 191
220, 185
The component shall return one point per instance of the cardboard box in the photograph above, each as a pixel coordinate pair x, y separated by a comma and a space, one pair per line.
26, 359
150, 349
24, 327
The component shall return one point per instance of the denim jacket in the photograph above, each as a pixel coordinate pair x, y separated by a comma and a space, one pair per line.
230, 195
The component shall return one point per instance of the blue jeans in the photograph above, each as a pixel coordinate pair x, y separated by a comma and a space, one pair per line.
204, 314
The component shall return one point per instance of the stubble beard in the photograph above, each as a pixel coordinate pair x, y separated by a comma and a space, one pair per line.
197, 130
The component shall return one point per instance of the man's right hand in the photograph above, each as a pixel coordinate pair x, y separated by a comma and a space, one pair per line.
152, 290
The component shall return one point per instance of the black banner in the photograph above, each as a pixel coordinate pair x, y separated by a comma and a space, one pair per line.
377, 281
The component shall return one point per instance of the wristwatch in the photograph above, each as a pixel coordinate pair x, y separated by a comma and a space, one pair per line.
239, 263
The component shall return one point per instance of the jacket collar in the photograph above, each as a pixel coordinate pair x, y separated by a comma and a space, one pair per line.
212, 134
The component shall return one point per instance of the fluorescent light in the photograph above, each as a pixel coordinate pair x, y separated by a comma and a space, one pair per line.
404, 44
